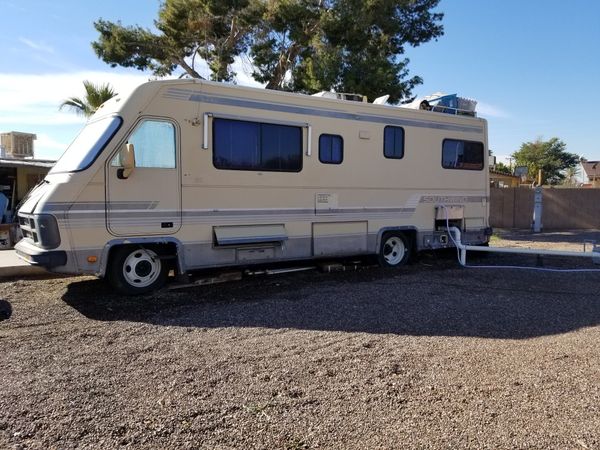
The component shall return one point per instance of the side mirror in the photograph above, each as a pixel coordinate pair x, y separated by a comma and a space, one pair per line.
128, 162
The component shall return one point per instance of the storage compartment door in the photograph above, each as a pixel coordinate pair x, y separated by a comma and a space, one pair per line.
339, 238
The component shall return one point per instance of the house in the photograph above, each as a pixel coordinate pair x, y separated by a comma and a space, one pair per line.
591, 170
19, 170
502, 180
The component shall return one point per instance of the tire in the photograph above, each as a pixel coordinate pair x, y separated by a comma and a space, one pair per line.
394, 250
136, 271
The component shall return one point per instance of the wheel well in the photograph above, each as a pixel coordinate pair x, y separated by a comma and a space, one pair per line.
161, 249
410, 233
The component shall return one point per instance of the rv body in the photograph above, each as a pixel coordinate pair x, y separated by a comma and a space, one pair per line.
229, 176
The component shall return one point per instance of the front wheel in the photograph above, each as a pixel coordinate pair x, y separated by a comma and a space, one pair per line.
134, 271
394, 250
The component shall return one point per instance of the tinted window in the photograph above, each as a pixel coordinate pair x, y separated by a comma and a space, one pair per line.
331, 149
245, 145
393, 142
464, 155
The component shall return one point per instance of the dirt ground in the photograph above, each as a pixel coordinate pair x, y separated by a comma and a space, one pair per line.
431, 355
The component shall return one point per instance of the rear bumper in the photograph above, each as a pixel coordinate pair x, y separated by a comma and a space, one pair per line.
39, 257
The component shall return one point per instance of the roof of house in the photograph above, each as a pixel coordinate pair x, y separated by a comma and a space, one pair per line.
17, 162
494, 172
591, 168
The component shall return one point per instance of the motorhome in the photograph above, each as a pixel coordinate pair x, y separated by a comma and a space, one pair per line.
189, 174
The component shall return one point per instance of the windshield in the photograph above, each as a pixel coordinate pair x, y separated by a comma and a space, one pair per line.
87, 145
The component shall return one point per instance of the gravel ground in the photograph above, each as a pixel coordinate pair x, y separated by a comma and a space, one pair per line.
427, 356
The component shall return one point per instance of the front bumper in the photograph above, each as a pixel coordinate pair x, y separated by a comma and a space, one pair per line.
38, 256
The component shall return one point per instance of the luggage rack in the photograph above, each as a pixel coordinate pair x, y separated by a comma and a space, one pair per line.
446, 104
449, 104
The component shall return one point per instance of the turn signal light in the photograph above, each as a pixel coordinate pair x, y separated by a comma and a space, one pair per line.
92, 259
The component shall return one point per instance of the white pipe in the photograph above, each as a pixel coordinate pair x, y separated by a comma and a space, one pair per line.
531, 251
455, 232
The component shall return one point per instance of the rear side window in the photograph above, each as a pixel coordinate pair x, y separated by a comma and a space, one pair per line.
393, 142
465, 155
331, 149
244, 145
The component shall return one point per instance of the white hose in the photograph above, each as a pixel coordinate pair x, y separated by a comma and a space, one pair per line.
540, 269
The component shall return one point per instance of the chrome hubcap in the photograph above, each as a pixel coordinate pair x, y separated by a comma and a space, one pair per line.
394, 250
141, 268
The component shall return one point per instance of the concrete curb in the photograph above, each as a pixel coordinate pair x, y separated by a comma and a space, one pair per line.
12, 266
22, 271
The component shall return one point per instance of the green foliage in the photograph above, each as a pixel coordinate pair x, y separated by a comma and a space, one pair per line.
361, 47
299, 45
549, 156
571, 174
215, 30
95, 96
502, 168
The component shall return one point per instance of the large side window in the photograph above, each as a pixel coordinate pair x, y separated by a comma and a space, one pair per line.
331, 149
154, 145
393, 142
243, 145
466, 155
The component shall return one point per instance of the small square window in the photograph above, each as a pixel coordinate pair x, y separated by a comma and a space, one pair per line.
393, 142
331, 149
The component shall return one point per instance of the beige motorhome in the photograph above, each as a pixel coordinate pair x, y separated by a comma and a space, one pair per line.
190, 174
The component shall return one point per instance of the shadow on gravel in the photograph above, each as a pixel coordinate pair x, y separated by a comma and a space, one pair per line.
430, 298
5, 310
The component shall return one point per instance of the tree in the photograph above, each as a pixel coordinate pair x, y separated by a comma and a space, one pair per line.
360, 47
300, 45
549, 156
571, 175
95, 96
500, 167
213, 30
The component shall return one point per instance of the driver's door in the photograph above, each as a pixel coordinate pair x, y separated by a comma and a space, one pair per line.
148, 201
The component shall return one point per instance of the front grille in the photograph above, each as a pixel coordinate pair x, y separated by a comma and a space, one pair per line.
27, 234
47, 236
27, 225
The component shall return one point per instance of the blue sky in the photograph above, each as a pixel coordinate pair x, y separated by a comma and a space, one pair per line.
532, 65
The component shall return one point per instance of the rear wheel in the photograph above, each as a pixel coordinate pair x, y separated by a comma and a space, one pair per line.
135, 271
394, 250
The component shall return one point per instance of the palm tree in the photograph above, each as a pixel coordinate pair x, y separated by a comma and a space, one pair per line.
571, 174
95, 95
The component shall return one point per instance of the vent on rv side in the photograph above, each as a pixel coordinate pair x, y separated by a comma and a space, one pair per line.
249, 234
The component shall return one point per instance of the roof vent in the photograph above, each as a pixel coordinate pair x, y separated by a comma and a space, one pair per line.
342, 96
381, 100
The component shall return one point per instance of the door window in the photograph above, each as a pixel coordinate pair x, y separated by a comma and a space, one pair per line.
154, 144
